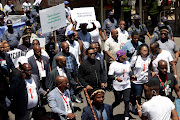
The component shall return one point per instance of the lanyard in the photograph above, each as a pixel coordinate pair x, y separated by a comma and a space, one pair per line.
162, 82
65, 100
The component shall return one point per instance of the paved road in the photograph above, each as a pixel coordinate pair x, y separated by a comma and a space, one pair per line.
109, 98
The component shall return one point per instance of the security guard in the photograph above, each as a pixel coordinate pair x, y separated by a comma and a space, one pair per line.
140, 28
127, 12
11, 35
43, 35
28, 12
28, 23
35, 11
165, 21
109, 24
156, 33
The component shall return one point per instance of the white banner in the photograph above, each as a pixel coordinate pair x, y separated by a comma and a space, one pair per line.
54, 2
42, 41
53, 18
15, 54
83, 15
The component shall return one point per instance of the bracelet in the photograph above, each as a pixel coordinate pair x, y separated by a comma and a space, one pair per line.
139, 110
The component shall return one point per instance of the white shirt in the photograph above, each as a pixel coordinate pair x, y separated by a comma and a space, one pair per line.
7, 8
31, 53
140, 68
158, 108
32, 93
95, 33
40, 65
75, 50
112, 46
122, 36
69, 27
164, 55
66, 100
26, 6
61, 71
121, 70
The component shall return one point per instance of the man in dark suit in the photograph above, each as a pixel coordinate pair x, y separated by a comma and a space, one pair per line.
102, 111
60, 101
40, 65
25, 90
59, 70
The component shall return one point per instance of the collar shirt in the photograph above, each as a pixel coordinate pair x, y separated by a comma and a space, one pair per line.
75, 50
69, 64
26, 6
66, 101
108, 26
86, 39
40, 64
61, 71
32, 93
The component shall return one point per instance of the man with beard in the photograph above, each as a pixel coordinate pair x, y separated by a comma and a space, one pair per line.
103, 111
169, 45
26, 46
11, 35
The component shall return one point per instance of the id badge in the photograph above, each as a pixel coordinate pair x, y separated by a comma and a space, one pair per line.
43, 73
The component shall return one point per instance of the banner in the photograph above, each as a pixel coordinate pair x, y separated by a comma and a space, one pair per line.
53, 18
83, 15
15, 54
42, 41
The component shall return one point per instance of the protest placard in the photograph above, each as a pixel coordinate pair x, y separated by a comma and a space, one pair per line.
15, 54
53, 18
41, 40
83, 14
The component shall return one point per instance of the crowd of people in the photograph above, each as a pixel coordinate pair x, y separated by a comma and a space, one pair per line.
73, 60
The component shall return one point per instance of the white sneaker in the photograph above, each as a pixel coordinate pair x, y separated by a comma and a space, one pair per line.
126, 118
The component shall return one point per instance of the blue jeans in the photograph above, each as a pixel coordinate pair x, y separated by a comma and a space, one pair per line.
137, 90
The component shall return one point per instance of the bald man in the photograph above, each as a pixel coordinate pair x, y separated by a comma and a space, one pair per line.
59, 70
59, 99
40, 65
167, 81
159, 54
111, 46
31, 53
25, 90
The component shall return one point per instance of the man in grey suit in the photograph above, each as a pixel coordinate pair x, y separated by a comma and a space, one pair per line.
60, 101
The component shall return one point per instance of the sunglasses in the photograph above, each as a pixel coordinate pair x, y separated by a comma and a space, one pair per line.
91, 53
164, 34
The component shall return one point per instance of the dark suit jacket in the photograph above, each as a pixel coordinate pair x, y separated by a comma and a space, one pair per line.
51, 81
88, 115
19, 94
34, 66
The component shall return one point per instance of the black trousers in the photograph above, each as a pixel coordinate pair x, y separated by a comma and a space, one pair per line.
126, 98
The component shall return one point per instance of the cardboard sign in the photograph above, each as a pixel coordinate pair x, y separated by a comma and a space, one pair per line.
53, 18
15, 54
83, 15
41, 40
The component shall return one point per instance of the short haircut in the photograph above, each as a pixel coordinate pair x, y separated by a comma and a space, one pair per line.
153, 82
155, 44
134, 33
88, 50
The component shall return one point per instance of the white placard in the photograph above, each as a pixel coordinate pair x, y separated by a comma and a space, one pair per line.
54, 2
53, 18
42, 41
15, 54
83, 15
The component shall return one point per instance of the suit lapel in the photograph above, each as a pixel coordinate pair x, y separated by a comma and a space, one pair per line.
95, 112
61, 101
35, 65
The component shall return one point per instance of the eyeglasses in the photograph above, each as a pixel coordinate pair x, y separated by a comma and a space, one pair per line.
91, 53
